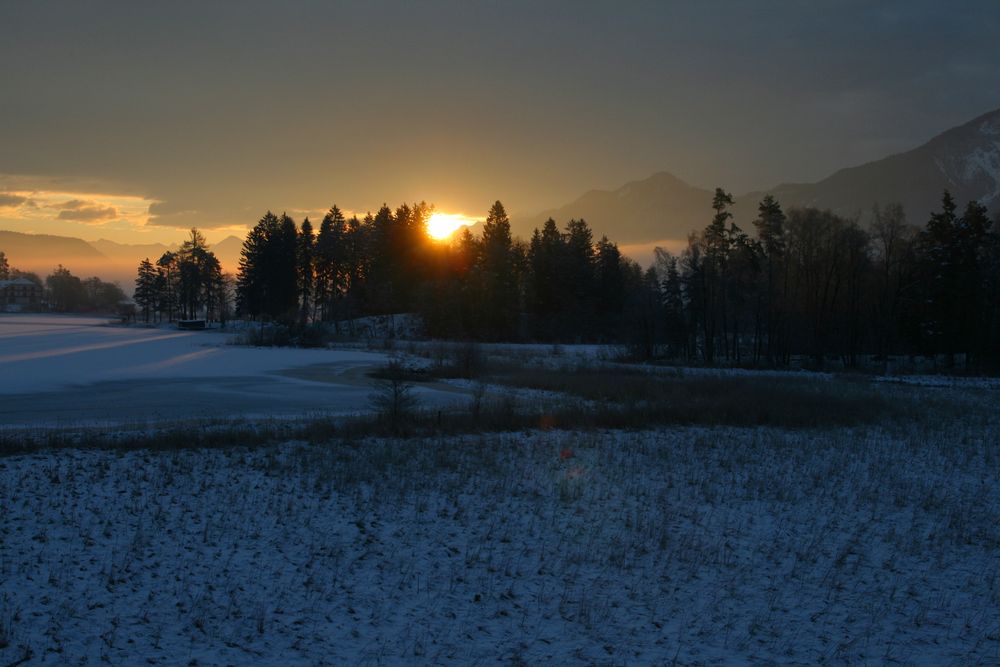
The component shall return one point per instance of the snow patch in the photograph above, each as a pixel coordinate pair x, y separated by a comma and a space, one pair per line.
990, 127
64, 371
984, 163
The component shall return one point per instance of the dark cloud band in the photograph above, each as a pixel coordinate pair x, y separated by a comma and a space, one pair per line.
13, 201
89, 213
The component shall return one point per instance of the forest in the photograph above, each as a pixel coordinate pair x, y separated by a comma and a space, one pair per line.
803, 284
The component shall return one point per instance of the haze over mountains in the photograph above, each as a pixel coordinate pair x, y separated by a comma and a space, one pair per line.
109, 260
964, 160
42, 252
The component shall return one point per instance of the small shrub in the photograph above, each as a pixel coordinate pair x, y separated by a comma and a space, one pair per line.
465, 361
393, 398
268, 335
476, 405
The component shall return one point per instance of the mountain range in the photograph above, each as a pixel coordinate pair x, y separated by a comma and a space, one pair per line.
964, 160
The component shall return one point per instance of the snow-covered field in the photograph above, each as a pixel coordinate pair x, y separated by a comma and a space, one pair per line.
687, 545
868, 544
61, 371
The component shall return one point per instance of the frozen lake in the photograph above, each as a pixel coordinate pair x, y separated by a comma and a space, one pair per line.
63, 370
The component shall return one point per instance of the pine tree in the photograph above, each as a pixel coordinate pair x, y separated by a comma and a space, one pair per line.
145, 288
267, 283
716, 247
284, 272
198, 273
379, 251
672, 291
499, 266
940, 254
990, 324
166, 286
578, 280
972, 268
306, 270
409, 247
358, 262
609, 288
545, 260
330, 264
770, 224
256, 284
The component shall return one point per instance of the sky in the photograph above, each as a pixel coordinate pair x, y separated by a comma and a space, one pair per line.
135, 121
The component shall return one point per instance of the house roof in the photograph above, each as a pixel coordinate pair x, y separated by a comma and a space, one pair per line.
18, 281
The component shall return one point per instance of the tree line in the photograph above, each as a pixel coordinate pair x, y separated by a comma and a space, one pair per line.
798, 284
184, 284
64, 292
815, 285
560, 285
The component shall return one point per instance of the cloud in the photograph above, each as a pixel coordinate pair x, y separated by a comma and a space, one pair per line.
8, 200
183, 216
82, 210
167, 214
75, 204
25, 207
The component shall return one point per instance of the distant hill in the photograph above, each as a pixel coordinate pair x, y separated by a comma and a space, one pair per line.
131, 252
964, 160
228, 251
659, 207
109, 260
41, 253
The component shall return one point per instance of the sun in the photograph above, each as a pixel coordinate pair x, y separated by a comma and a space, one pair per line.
442, 225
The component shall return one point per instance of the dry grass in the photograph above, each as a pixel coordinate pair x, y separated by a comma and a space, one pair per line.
516, 398
649, 398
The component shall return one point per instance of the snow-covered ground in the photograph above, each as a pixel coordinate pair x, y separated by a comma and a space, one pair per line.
57, 370
686, 546
689, 545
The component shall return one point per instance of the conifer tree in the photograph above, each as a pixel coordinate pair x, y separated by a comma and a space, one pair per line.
609, 289
198, 274
284, 271
166, 284
253, 284
770, 224
545, 261
499, 286
330, 263
306, 270
716, 247
578, 280
940, 253
145, 288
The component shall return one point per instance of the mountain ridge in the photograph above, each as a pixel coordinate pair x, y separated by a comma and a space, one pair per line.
964, 159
